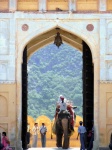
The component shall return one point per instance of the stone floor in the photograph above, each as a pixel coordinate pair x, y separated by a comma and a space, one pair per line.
50, 145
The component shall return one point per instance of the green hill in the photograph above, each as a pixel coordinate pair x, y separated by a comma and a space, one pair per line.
52, 72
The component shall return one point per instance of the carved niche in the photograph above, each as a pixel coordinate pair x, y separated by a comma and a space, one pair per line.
3, 71
4, 37
109, 70
3, 106
109, 38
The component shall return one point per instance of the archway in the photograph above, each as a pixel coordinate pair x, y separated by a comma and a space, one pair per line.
88, 74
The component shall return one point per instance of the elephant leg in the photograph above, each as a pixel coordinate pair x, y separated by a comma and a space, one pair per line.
59, 140
59, 134
66, 143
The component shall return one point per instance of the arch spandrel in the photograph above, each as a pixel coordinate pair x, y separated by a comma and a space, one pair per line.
75, 30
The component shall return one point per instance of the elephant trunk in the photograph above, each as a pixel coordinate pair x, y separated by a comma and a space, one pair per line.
65, 133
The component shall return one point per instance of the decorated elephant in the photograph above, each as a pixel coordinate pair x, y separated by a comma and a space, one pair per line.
63, 128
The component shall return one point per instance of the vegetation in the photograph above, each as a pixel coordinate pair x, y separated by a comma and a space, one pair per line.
52, 72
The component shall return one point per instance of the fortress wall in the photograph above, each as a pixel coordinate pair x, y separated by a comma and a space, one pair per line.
8, 107
18, 29
105, 118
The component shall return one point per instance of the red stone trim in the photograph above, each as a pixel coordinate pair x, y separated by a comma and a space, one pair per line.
25, 27
90, 27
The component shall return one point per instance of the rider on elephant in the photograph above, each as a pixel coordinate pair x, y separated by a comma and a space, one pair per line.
62, 106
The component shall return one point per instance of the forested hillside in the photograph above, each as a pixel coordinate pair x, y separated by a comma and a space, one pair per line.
53, 72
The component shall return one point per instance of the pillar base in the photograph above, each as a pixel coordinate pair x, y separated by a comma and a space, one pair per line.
95, 145
19, 145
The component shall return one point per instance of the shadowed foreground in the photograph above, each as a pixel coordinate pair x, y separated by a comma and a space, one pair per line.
49, 148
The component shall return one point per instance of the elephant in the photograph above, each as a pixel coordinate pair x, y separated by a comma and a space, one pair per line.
63, 129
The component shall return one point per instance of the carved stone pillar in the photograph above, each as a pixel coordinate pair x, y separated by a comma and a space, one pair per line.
42, 5
19, 107
12, 5
102, 49
72, 5
103, 102
102, 5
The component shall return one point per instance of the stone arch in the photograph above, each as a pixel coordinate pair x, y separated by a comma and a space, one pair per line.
29, 55
71, 29
85, 36
3, 106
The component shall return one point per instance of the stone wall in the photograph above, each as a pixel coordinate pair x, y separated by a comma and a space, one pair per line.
105, 119
8, 107
56, 5
18, 29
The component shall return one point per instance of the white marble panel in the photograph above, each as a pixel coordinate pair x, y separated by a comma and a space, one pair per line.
7, 69
12, 5
110, 45
72, 5
109, 38
4, 37
42, 5
3, 71
102, 6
